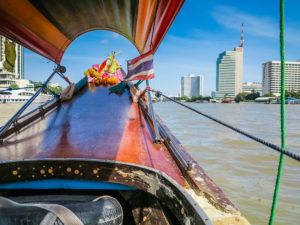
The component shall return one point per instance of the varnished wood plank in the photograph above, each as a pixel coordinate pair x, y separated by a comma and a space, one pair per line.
94, 125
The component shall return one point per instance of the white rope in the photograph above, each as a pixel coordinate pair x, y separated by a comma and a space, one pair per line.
63, 213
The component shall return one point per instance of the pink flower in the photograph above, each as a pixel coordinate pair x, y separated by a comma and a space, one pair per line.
96, 67
105, 75
118, 75
91, 79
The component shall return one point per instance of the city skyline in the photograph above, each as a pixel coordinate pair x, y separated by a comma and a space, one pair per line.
199, 33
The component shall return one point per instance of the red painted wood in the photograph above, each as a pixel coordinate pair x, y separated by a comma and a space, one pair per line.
69, 23
18, 32
166, 13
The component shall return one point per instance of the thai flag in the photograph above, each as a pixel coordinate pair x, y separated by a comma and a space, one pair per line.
140, 68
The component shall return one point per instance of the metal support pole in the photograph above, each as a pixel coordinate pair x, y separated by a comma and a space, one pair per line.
22, 109
64, 77
157, 137
281, 160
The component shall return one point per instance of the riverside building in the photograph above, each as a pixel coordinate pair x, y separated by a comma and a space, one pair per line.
191, 85
272, 77
8, 78
229, 72
248, 87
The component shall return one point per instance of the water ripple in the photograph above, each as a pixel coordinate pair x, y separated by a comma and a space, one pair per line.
245, 170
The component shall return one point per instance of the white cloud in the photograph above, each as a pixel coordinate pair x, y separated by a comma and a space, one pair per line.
260, 26
192, 40
254, 25
103, 41
292, 35
192, 68
115, 35
79, 58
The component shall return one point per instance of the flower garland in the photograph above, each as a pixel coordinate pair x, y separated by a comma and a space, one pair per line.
108, 73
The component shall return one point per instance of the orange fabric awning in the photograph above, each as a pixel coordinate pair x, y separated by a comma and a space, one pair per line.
49, 26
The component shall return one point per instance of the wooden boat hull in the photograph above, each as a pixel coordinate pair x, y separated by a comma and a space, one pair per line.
102, 141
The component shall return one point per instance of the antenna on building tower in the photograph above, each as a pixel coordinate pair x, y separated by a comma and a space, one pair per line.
242, 36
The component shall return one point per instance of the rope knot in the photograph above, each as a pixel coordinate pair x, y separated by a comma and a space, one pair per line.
149, 89
158, 94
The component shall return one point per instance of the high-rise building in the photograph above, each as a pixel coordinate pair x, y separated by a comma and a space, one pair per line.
191, 85
9, 78
19, 63
229, 72
272, 77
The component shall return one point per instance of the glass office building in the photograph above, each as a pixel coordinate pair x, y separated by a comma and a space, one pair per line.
229, 73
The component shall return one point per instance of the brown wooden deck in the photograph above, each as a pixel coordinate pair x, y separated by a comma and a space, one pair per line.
99, 125
94, 125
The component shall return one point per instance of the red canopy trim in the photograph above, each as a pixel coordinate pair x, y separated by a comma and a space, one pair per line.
49, 26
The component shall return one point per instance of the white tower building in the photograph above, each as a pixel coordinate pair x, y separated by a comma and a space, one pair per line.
272, 77
191, 85
229, 72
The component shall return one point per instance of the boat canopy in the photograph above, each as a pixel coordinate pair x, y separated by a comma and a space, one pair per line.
48, 27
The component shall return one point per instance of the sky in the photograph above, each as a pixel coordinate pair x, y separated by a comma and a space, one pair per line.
201, 31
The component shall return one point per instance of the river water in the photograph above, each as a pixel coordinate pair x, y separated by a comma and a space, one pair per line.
245, 170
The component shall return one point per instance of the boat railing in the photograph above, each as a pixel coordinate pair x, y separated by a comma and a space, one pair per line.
38, 112
40, 108
177, 151
59, 70
29, 117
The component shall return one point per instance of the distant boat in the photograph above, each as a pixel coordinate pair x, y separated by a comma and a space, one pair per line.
21, 95
266, 99
291, 101
226, 100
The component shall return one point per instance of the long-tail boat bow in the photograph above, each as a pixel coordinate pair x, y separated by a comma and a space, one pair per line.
98, 157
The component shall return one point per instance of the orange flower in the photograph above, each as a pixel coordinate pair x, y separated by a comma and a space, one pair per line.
97, 82
110, 81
